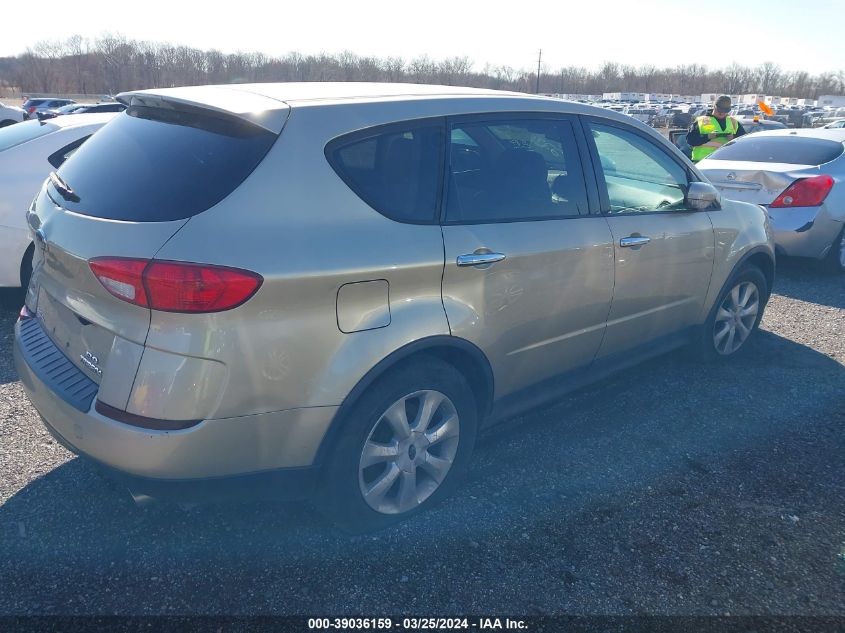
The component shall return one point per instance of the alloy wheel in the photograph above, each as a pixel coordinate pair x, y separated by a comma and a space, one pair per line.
736, 317
409, 452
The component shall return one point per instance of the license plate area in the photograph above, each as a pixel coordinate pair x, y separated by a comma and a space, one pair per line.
86, 344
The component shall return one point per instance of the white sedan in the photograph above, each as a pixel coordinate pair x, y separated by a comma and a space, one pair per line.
10, 115
29, 151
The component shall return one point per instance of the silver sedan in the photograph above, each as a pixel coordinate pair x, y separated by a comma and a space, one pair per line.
798, 176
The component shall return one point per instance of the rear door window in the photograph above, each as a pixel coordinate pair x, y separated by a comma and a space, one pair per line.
395, 169
792, 150
514, 170
57, 158
158, 165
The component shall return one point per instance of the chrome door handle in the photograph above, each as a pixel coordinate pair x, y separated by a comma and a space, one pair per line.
637, 240
479, 259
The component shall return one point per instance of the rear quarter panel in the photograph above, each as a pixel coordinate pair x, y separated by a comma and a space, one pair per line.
297, 223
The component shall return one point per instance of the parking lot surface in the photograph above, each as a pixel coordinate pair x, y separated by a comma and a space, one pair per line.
671, 488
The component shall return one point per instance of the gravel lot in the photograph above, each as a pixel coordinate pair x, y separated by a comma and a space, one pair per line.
670, 489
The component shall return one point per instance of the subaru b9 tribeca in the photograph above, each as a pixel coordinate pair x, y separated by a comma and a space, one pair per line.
329, 288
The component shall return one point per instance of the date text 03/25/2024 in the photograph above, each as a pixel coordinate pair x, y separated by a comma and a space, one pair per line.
416, 624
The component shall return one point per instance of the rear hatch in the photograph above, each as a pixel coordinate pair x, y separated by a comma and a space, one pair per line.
124, 194
759, 167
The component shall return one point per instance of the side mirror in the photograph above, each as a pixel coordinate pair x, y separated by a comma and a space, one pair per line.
702, 196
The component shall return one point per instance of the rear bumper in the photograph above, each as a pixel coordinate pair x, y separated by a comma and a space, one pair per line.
281, 484
804, 231
213, 449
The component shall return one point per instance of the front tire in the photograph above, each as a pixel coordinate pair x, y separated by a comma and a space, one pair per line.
403, 447
735, 316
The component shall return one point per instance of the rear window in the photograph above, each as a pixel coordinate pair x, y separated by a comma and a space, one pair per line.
13, 135
793, 150
157, 165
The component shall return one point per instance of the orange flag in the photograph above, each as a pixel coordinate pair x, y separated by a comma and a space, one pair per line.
766, 108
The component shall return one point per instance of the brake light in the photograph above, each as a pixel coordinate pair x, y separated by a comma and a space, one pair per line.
122, 277
31, 109
805, 192
175, 286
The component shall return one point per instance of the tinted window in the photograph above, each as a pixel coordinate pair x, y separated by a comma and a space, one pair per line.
526, 169
794, 150
57, 158
395, 170
12, 135
108, 107
155, 165
639, 176
67, 109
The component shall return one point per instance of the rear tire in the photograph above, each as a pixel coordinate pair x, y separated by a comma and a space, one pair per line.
734, 318
26, 268
834, 262
403, 447
7, 123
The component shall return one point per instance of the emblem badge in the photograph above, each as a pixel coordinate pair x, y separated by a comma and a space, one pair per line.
91, 362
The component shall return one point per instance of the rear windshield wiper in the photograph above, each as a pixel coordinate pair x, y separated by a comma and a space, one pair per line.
62, 187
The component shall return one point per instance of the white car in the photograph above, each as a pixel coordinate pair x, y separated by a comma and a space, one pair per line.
11, 114
29, 151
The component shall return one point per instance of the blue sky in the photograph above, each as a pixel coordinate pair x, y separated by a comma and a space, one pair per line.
796, 35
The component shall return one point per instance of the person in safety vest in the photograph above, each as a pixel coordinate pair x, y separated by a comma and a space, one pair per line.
710, 131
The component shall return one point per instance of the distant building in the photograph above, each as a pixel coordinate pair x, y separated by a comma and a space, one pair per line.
835, 101
573, 97
624, 96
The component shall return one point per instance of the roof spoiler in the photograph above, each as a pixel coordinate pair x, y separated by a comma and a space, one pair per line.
258, 110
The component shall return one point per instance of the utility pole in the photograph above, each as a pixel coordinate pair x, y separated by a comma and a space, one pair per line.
539, 59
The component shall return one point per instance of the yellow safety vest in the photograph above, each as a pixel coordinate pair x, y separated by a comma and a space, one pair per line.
709, 125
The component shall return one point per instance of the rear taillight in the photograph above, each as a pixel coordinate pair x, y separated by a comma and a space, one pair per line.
805, 192
175, 286
31, 109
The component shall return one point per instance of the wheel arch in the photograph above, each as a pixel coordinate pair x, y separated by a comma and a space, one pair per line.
759, 256
26, 259
468, 359
762, 259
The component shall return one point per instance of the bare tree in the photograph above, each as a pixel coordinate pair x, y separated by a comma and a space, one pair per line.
112, 63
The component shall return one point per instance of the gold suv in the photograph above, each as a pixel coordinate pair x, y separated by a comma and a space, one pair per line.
326, 289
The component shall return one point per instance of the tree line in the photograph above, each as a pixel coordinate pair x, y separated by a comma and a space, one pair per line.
112, 63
